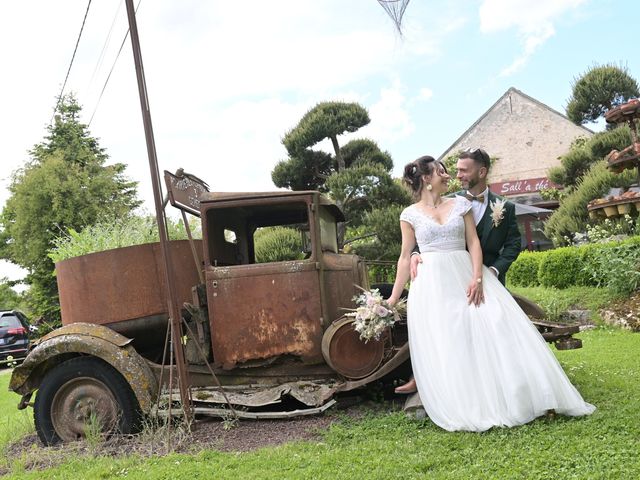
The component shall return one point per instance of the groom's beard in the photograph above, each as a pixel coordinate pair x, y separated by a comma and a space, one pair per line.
471, 184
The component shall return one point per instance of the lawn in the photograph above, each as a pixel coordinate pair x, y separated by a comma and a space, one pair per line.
556, 301
14, 423
385, 444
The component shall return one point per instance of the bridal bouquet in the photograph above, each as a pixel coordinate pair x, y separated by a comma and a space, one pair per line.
374, 314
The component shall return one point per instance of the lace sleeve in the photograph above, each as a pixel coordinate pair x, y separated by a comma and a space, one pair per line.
406, 216
463, 205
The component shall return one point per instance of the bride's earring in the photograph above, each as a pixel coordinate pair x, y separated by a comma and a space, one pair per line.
429, 187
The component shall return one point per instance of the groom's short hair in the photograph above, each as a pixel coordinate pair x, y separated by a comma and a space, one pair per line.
478, 155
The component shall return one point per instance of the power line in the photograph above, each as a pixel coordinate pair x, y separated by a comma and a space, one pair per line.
104, 87
104, 47
71, 63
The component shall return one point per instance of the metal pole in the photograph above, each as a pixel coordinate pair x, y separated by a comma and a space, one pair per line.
174, 310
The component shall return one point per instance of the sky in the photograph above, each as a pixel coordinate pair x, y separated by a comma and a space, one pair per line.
227, 79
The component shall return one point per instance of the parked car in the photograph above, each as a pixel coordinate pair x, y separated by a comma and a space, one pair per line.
14, 336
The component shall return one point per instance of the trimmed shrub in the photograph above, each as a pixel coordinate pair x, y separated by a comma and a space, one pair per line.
278, 244
524, 271
560, 268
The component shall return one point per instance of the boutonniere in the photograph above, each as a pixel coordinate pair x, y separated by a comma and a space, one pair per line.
497, 212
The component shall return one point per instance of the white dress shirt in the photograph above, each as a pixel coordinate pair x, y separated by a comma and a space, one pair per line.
478, 208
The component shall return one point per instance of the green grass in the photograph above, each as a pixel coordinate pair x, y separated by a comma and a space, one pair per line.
556, 300
387, 445
14, 423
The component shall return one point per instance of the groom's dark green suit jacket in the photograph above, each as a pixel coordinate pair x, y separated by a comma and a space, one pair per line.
500, 244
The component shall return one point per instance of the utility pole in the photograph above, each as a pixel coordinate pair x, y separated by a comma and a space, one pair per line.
175, 316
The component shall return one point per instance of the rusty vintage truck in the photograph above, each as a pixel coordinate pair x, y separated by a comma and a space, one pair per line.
273, 335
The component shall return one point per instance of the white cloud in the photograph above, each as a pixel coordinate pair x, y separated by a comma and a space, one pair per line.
424, 95
533, 20
225, 79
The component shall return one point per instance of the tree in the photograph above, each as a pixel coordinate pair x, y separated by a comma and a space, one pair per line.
572, 216
584, 153
64, 185
599, 89
307, 170
363, 188
357, 177
326, 120
9, 298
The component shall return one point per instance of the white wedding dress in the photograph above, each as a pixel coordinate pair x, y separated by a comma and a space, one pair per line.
476, 367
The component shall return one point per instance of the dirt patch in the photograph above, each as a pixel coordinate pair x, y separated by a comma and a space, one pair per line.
625, 313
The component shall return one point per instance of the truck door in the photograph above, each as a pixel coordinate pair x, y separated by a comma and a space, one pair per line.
261, 306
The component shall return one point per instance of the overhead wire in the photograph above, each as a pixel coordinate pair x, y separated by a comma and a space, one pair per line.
104, 46
104, 87
71, 63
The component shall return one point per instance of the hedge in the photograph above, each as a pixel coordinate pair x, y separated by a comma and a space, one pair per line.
524, 271
614, 265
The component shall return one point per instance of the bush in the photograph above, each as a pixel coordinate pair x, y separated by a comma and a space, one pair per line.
524, 271
560, 268
615, 265
115, 233
278, 244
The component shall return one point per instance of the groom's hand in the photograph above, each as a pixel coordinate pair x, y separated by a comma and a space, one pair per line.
413, 266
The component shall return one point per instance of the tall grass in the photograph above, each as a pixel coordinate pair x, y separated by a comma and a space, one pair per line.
115, 233
14, 423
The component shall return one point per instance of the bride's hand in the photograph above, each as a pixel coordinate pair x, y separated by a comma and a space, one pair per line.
475, 294
392, 301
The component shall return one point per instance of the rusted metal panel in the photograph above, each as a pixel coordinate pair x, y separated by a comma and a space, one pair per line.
398, 358
340, 277
225, 413
185, 191
123, 284
87, 339
261, 311
312, 394
347, 354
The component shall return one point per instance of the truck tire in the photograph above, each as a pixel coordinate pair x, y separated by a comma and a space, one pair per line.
84, 391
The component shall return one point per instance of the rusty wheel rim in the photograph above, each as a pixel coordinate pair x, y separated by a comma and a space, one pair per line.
78, 401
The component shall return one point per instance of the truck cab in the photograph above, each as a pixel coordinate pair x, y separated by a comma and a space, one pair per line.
258, 311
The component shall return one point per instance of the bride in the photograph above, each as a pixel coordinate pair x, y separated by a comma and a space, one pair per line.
477, 359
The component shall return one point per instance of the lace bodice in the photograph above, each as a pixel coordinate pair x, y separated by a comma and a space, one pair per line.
434, 237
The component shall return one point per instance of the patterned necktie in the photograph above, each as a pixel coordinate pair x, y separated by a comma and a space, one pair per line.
479, 198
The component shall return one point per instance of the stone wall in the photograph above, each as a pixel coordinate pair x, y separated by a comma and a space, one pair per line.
524, 136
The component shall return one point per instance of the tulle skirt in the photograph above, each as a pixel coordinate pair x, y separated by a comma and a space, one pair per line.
485, 366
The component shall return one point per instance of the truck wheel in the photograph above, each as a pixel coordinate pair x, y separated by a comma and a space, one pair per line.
82, 393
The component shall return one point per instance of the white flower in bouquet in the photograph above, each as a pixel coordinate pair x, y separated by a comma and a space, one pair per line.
374, 314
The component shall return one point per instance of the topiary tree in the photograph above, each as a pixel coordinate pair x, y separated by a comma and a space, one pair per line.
572, 217
584, 153
326, 120
307, 170
363, 188
356, 177
597, 90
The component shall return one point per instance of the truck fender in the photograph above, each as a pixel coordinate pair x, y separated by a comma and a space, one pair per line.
87, 339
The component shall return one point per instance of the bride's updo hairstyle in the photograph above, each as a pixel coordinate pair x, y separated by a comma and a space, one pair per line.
414, 171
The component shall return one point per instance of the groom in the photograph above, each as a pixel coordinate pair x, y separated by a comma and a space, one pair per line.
497, 230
